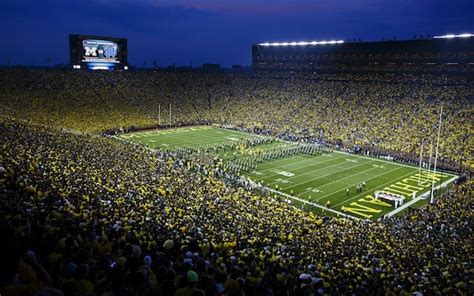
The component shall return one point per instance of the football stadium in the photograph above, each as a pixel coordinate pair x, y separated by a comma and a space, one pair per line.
327, 167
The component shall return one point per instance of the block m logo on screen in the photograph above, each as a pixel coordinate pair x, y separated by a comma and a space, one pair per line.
99, 49
90, 51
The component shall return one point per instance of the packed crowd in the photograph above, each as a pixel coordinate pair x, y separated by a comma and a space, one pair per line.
385, 111
83, 215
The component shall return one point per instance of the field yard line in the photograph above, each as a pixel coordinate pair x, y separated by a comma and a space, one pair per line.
415, 200
180, 143
368, 157
300, 167
356, 175
282, 165
296, 176
224, 136
246, 133
313, 204
321, 177
351, 176
182, 139
201, 137
360, 194
384, 160
222, 139
158, 130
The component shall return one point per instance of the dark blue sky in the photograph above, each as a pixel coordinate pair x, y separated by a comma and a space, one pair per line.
220, 31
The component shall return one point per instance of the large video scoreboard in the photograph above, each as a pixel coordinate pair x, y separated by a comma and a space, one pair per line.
97, 52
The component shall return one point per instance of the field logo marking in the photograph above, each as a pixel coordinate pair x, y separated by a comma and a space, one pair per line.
284, 181
314, 190
365, 211
424, 195
286, 174
406, 187
414, 183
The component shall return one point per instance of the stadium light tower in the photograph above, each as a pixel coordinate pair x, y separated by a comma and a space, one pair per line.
451, 36
302, 43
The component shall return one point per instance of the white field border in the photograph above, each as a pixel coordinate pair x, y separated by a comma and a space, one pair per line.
134, 143
311, 203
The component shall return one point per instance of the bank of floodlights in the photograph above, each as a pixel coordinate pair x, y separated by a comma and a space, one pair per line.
301, 43
451, 36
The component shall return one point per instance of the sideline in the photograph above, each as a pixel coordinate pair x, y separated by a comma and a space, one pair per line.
313, 204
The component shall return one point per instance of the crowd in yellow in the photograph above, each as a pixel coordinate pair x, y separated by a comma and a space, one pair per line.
82, 214
387, 111
107, 217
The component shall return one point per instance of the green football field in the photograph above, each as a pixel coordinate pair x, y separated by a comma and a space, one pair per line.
195, 136
326, 182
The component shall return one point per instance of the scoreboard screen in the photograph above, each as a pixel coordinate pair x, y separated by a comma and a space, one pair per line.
98, 53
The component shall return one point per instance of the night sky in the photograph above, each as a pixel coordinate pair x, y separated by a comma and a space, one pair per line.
182, 32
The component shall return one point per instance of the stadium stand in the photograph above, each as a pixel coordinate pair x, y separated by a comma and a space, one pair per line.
107, 217
84, 214
385, 111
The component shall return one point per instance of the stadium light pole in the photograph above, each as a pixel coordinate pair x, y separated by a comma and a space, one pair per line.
159, 114
436, 154
170, 114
